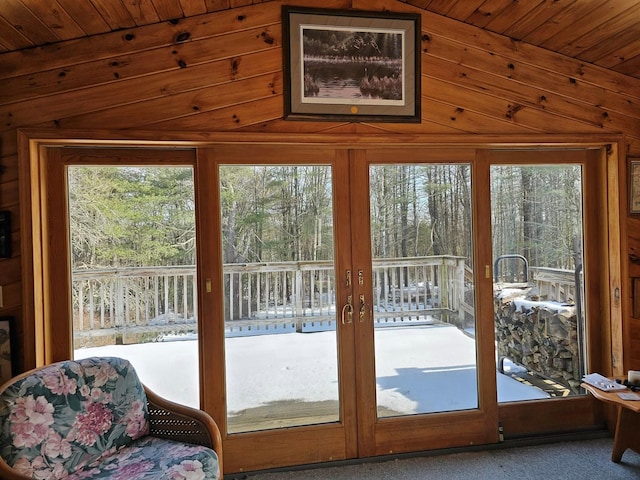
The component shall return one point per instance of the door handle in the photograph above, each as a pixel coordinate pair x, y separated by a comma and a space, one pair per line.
363, 309
347, 310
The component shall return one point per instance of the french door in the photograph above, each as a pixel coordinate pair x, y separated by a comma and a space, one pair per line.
348, 330
345, 296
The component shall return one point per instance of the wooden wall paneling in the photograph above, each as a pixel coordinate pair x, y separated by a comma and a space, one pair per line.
465, 119
532, 83
570, 113
8, 144
8, 170
10, 195
634, 333
138, 64
193, 102
234, 117
528, 117
67, 102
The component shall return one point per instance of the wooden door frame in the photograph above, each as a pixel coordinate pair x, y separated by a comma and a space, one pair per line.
34, 146
540, 416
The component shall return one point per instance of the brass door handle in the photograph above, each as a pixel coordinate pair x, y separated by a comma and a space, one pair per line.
347, 310
363, 309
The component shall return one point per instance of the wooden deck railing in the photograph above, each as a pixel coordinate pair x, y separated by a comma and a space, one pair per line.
158, 300
293, 291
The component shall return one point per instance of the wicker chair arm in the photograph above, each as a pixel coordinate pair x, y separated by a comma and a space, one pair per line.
181, 423
8, 473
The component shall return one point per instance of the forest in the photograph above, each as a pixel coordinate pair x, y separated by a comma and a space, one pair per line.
134, 216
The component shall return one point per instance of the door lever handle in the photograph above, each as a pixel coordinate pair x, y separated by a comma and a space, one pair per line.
347, 310
363, 308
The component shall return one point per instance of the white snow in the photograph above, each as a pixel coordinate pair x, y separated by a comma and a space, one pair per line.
419, 369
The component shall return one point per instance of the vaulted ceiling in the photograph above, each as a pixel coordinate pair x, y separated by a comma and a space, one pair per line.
601, 32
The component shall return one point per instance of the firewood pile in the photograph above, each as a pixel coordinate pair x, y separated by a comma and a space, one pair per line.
539, 335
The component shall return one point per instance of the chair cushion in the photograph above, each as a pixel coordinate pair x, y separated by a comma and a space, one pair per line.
154, 458
69, 414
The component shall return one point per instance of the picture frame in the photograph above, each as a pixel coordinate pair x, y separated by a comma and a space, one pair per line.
636, 297
5, 234
351, 65
634, 185
7, 368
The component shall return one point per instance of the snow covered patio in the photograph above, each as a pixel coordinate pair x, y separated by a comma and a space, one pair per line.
420, 369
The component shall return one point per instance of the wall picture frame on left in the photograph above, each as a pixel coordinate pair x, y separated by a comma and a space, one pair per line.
6, 352
634, 185
5, 234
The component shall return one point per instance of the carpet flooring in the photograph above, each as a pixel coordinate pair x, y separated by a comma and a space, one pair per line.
558, 460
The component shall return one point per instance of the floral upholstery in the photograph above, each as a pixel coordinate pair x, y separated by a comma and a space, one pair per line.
89, 419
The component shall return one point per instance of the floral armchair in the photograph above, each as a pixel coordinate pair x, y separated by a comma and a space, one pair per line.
93, 419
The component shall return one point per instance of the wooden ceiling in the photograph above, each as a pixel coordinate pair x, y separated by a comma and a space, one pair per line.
601, 32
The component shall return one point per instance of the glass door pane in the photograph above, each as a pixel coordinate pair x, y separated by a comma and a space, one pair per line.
423, 306
132, 236
280, 296
537, 224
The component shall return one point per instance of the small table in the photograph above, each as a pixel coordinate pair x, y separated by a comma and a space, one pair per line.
627, 433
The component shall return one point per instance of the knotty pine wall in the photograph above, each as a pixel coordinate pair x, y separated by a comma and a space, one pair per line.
223, 72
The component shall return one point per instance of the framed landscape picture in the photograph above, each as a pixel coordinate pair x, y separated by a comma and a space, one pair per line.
6, 356
351, 65
634, 186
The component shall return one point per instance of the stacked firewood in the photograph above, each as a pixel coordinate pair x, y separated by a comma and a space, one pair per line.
539, 335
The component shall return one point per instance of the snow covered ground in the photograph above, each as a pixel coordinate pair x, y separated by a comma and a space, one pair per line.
420, 369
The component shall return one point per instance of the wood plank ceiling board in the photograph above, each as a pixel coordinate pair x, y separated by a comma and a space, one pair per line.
511, 14
142, 11
611, 36
55, 17
607, 10
86, 16
558, 24
114, 13
462, 10
11, 38
540, 15
193, 7
216, 5
629, 67
486, 12
601, 32
26, 23
167, 9
440, 7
